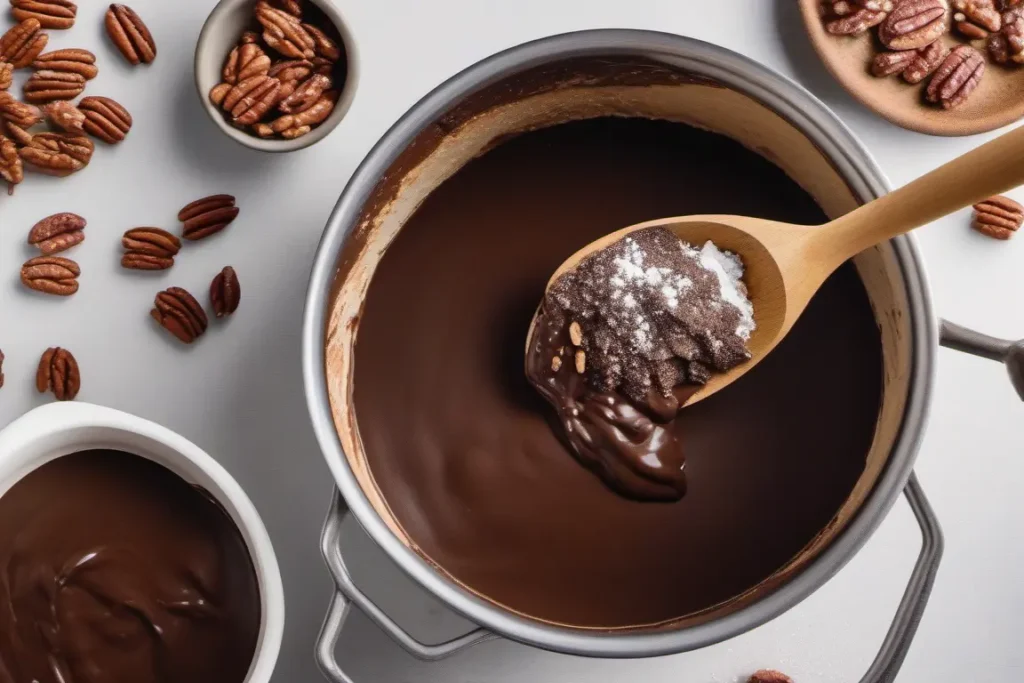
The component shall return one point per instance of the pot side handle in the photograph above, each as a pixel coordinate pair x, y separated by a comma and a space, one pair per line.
1009, 353
348, 594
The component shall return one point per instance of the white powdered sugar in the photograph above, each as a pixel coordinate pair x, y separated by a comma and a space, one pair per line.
729, 269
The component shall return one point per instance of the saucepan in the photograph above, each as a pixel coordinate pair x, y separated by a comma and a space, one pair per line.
623, 73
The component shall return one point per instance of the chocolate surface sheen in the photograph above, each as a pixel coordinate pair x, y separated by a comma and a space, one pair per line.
466, 452
115, 570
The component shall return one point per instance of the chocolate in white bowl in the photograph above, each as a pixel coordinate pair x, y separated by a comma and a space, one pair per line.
129, 555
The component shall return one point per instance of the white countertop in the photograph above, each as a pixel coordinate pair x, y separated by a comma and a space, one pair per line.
238, 393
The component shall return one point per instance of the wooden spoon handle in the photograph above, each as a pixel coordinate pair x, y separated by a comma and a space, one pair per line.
991, 169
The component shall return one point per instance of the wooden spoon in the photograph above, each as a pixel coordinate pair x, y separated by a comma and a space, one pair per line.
786, 264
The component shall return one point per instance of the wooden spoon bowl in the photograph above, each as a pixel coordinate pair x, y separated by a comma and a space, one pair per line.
786, 264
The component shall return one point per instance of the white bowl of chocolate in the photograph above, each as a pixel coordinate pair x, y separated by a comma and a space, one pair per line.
129, 554
276, 75
433, 265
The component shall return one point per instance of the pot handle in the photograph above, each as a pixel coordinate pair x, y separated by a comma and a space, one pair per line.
883, 669
1010, 353
348, 594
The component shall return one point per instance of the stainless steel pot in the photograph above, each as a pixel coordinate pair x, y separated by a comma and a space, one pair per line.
541, 85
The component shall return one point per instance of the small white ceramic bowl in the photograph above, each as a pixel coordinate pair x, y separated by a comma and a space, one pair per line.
223, 28
59, 429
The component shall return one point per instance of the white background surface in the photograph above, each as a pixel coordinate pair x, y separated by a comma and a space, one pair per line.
238, 392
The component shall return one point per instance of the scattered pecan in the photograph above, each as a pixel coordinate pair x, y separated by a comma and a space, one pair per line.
71, 60
130, 34
58, 14
219, 92
1, 369
769, 676
18, 113
284, 33
998, 217
250, 100
325, 46
1008, 44
957, 77
245, 61
207, 216
58, 372
57, 233
225, 292
312, 116
149, 249
22, 44
19, 135
913, 24
975, 19
305, 95
57, 154
51, 275
46, 86
853, 17
11, 168
179, 313
105, 119
65, 116
6, 75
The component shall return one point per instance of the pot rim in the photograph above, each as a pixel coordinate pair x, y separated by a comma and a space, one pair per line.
790, 101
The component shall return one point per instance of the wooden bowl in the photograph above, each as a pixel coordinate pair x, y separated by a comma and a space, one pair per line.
998, 100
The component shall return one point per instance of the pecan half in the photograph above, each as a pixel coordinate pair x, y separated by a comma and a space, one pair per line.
263, 130
295, 132
65, 116
889, 63
284, 33
219, 92
305, 95
105, 119
1, 369
245, 61
956, 78
149, 249
927, 61
72, 60
975, 19
207, 216
179, 313
913, 24
292, 7
58, 14
20, 114
58, 372
130, 34
291, 70
312, 116
57, 233
19, 135
22, 44
225, 292
1008, 44
6, 75
998, 217
57, 154
250, 100
46, 86
853, 17
51, 275
11, 168
325, 46
769, 676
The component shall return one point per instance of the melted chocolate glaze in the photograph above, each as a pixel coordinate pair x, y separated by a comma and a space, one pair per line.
115, 570
461, 445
